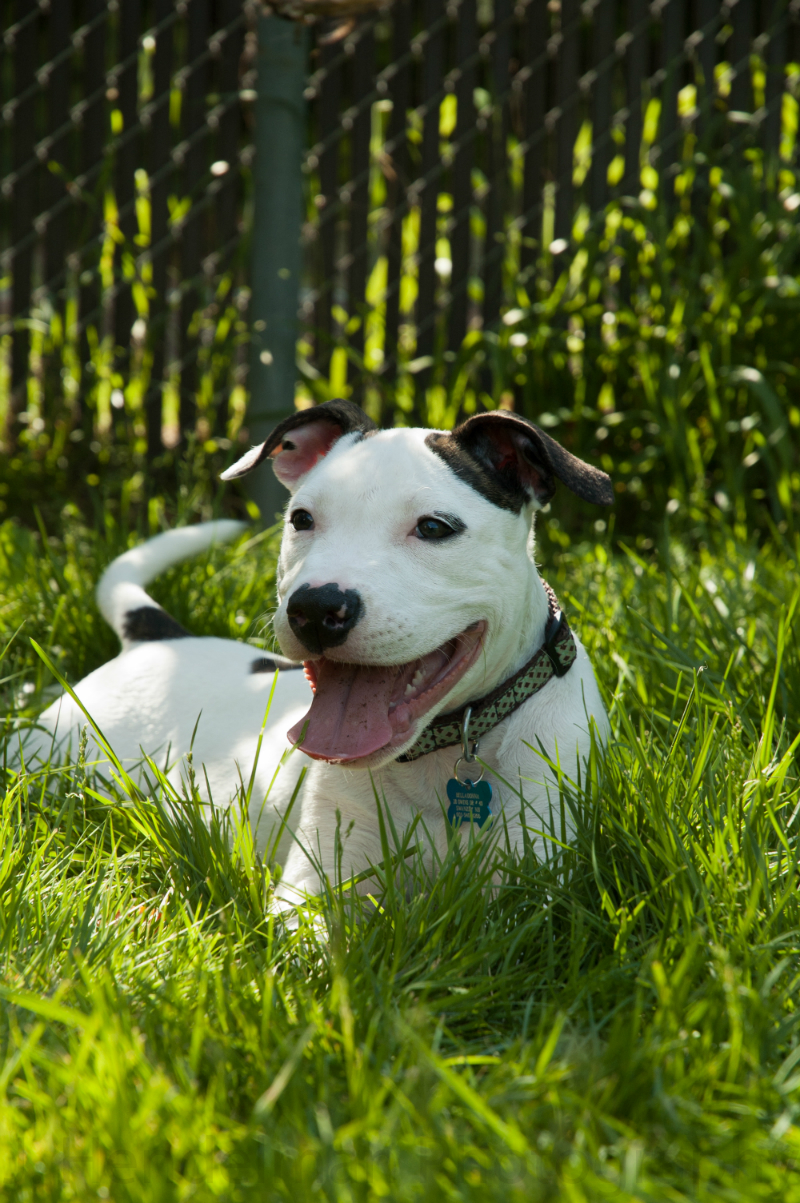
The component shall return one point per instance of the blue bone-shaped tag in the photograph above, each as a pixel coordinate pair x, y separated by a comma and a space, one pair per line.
469, 802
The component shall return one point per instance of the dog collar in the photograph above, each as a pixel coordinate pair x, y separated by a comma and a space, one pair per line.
553, 659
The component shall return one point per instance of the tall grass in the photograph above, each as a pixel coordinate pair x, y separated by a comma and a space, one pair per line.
659, 344
616, 1022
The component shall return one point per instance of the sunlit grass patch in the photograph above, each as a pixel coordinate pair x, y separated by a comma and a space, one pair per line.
614, 1021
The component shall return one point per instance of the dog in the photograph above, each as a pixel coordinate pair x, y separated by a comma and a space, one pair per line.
168, 692
409, 594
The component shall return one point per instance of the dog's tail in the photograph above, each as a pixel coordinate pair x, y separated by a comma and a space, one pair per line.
135, 617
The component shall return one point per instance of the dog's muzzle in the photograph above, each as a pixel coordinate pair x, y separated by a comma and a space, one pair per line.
323, 617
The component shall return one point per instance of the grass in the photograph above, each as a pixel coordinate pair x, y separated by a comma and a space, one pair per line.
619, 1023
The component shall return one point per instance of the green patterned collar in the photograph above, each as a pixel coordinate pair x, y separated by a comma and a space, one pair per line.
553, 659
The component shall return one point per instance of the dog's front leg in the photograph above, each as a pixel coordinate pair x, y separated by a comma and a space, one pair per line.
337, 836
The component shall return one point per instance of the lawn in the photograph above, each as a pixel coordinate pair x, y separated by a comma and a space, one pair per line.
616, 1022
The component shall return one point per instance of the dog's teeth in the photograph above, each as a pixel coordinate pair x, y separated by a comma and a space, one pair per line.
417, 678
409, 689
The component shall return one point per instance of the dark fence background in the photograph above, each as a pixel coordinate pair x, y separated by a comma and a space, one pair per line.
452, 149
522, 116
125, 133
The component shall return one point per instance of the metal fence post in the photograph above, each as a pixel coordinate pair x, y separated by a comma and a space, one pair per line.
276, 254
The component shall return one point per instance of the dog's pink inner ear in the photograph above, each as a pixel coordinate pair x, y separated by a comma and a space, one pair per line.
302, 448
512, 454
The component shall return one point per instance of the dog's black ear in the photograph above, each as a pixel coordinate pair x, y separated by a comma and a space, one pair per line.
513, 463
297, 443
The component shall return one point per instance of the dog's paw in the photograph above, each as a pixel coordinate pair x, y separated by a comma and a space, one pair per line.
294, 908
304, 927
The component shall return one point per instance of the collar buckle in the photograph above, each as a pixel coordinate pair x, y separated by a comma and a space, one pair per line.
468, 757
552, 635
449, 730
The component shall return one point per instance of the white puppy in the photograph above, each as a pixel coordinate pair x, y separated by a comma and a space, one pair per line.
167, 692
407, 584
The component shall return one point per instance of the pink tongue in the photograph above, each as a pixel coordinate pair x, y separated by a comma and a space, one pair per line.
349, 716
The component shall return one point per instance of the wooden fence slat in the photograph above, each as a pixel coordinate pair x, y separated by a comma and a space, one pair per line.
212, 223
128, 158
566, 126
226, 143
6, 82
363, 77
673, 29
89, 216
793, 34
328, 117
53, 190
397, 171
497, 158
741, 42
158, 157
23, 200
432, 74
535, 51
460, 232
775, 57
708, 20
194, 166
55, 242
603, 30
227, 136
635, 74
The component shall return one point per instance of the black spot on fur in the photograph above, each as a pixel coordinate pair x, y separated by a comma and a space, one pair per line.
510, 461
501, 493
265, 665
149, 625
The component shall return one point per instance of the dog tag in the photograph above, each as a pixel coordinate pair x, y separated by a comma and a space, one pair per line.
469, 803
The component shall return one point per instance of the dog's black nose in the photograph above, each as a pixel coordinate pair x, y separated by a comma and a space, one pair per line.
323, 617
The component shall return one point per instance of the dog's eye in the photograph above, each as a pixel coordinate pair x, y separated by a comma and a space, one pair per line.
301, 520
433, 528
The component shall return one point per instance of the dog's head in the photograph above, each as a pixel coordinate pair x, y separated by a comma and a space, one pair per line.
406, 578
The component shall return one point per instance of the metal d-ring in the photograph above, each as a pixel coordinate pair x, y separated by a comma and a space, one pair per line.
458, 779
469, 756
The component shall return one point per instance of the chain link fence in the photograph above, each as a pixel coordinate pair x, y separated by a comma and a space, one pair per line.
125, 146
455, 149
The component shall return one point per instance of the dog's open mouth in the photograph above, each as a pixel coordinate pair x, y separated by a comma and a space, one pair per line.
360, 709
